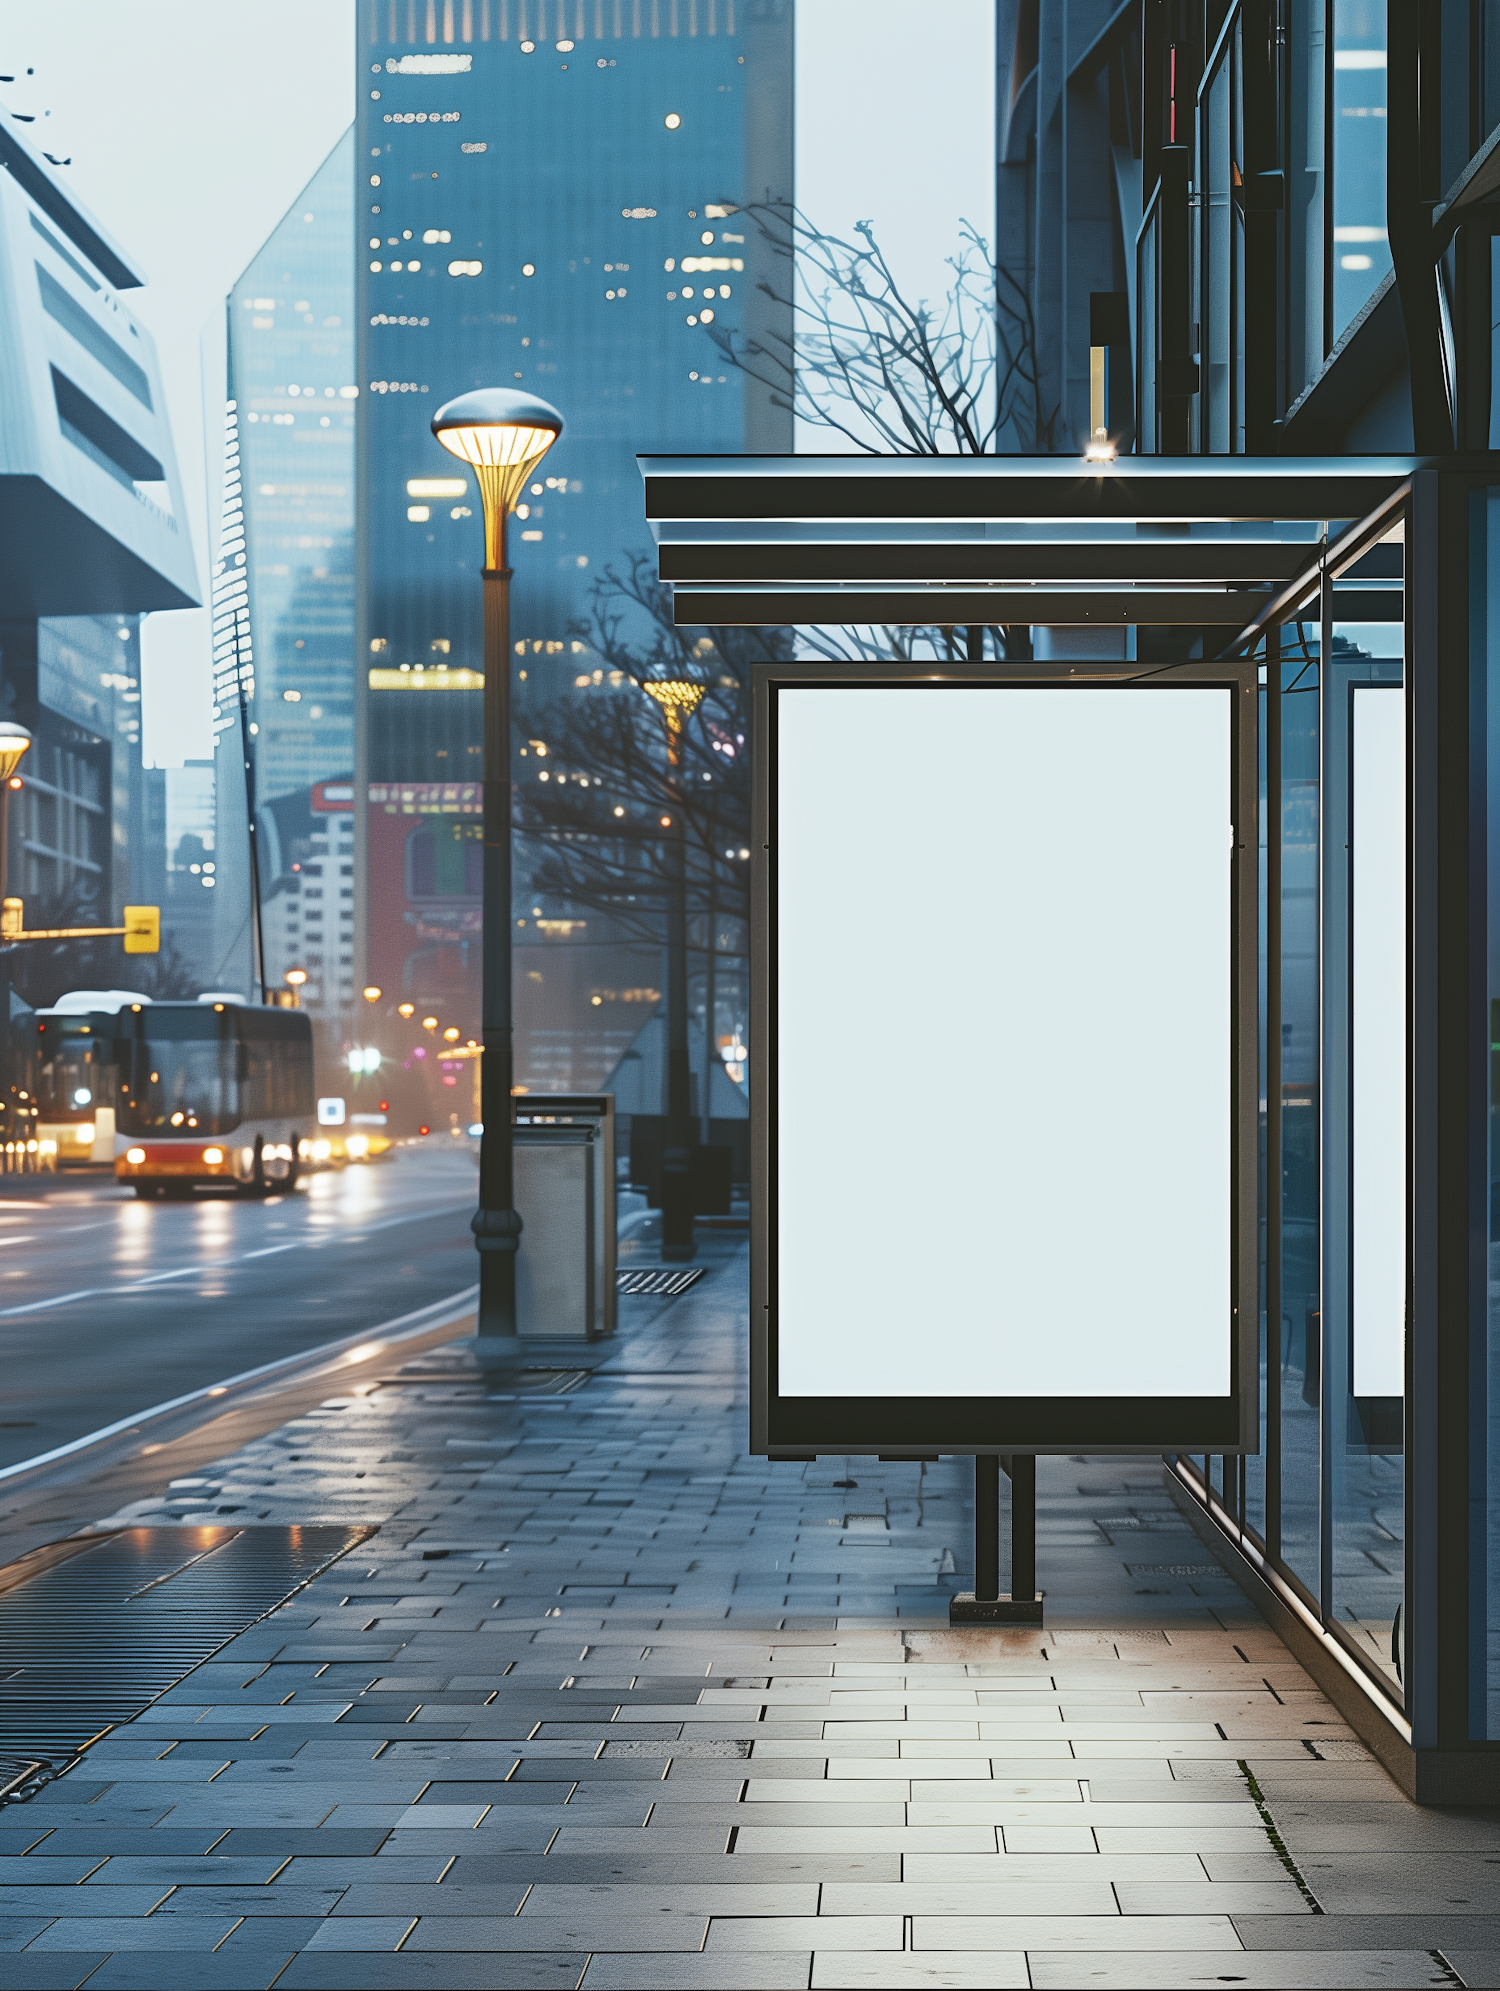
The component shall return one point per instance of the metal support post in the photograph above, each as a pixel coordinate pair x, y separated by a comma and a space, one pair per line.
987, 1528
985, 1604
496, 1224
1022, 1469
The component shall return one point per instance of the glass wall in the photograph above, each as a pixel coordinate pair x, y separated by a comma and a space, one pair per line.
1364, 1139
1326, 1495
1300, 1340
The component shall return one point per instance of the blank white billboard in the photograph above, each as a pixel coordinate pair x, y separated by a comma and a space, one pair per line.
1003, 1036
1378, 1049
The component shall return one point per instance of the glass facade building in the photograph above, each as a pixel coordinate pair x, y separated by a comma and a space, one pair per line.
546, 199
284, 626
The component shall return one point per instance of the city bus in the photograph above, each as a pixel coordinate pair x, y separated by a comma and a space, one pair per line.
212, 1091
74, 1072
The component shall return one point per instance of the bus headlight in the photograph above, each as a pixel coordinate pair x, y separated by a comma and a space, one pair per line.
321, 1150
357, 1146
84, 1133
135, 1156
214, 1157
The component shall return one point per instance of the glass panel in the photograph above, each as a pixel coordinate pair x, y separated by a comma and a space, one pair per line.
1364, 1135
1489, 68
1216, 300
1255, 1465
1361, 254
1300, 1341
1146, 339
1485, 636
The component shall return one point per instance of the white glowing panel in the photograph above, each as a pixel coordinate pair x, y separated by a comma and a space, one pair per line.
1004, 1080
1379, 1041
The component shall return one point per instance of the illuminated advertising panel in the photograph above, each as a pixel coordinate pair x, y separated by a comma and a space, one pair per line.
1007, 1079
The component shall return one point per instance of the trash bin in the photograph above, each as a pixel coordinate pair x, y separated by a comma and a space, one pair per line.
565, 1193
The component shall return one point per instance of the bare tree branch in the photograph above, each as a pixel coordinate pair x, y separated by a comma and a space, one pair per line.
887, 372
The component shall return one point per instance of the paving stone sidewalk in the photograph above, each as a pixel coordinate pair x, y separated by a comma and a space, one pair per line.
609, 1703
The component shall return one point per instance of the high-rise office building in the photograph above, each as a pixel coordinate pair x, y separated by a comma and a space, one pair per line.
93, 537
284, 614
542, 193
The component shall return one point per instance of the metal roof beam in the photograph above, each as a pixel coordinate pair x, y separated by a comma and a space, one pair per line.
854, 490
767, 608
1203, 562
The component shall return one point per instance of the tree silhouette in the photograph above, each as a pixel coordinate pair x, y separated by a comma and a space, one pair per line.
593, 776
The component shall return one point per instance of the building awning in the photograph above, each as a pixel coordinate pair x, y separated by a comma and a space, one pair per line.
1209, 542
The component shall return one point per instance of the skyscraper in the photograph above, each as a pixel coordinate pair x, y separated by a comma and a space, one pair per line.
533, 182
284, 615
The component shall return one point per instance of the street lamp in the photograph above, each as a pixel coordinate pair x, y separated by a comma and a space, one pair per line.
14, 740
502, 436
677, 699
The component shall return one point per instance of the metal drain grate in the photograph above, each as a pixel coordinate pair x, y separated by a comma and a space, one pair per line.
549, 1382
92, 1640
670, 1283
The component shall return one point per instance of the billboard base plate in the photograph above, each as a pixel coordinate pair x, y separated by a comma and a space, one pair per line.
967, 1609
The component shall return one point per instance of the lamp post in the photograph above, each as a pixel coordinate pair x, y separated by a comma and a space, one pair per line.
14, 740
677, 699
502, 436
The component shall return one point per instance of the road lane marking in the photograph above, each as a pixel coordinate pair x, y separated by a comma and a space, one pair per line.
360, 1346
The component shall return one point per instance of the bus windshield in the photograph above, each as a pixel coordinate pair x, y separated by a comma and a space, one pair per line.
191, 1069
177, 1073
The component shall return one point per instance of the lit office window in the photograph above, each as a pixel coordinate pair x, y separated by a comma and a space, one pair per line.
1358, 250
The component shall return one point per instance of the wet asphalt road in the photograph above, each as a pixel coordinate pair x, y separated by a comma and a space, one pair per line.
109, 1304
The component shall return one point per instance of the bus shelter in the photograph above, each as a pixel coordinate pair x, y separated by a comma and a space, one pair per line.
1168, 918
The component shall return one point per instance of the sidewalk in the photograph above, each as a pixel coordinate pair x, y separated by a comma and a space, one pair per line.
607, 1702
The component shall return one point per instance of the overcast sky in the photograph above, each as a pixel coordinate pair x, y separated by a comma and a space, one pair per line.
193, 124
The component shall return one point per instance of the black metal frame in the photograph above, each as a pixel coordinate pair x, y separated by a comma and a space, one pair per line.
907, 1427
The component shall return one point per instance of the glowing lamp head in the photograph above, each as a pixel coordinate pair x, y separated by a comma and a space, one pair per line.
502, 436
406, 1009
295, 977
677, 699
372, 994
14, 740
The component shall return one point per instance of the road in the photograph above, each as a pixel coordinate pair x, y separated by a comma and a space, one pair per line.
109, 1305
